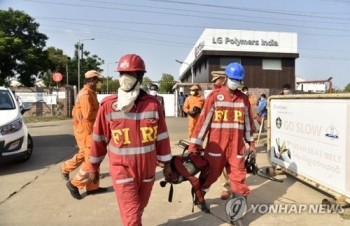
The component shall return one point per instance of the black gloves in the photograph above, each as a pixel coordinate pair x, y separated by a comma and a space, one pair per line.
195, 111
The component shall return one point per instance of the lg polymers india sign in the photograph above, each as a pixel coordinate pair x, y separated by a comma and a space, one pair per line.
311, 138
246, 41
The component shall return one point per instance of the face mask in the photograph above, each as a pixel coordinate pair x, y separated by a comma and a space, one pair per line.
193, 93
262, 98
286, 91
245, 92
233, 84
127, 83
153, 92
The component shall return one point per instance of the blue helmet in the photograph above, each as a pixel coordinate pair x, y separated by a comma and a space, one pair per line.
235, 71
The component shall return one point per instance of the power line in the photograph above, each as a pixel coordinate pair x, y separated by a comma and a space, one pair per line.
206, 12
248, 9
181, 14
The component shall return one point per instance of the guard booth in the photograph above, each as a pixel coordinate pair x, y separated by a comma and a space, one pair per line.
309, 138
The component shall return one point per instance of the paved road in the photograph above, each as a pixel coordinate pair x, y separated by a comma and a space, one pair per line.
34, 194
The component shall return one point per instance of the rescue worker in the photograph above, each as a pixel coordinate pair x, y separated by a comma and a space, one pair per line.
153, 90
227, 119
131, 126
84, 115
192, 107
218, 79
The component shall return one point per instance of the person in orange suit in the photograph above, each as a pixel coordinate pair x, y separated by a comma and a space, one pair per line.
84, 115
192, 107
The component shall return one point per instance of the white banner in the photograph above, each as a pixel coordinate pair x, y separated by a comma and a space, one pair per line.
311, 137
32, 97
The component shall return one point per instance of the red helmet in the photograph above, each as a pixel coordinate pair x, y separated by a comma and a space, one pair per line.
131, 62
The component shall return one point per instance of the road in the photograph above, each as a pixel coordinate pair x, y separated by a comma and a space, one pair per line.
34, 194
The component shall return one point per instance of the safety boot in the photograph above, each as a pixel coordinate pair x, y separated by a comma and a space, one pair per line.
202, 206
64, 175
74, 191
97, 191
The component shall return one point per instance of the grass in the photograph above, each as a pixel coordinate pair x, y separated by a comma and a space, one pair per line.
33, 119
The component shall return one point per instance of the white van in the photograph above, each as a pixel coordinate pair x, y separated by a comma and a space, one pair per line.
15, 142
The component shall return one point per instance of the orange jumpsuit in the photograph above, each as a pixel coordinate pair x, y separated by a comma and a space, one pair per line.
228, 121
135, 141
190, 103
74, 162
85, 113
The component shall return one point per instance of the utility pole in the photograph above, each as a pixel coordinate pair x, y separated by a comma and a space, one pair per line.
79, 46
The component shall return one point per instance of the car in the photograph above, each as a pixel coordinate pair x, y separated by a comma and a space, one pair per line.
16, 144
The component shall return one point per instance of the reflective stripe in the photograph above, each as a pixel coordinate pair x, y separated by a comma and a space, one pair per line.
131, 151
240, 156
133, 116
96, 159
228, 104
83, 173
164, 158
96, 137
227, 126
123, 181
148, 180
207, 120
214, 154
162, 136
247, 125
196, 141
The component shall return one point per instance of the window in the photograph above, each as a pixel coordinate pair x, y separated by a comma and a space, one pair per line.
224, 61
6, 101
271, 64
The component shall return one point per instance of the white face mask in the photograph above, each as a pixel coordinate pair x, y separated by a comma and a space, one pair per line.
126, 99
233, 84
153, 92
286, 91
127, 82
245, 92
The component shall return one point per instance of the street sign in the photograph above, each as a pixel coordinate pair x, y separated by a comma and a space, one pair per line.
57, 77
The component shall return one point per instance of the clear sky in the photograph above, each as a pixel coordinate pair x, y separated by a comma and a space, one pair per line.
163, 31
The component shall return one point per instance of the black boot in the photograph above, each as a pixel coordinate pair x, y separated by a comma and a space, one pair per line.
74, 191
202, 206
97, 191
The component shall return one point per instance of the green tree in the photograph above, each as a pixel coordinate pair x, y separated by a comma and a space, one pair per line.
21, 47
347, 88
113, 86
87, 63
166, 83
146, 83
57, 62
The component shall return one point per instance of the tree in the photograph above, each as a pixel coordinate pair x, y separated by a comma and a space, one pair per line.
57, 62
347, 88
21, 47
146, 83
166, 84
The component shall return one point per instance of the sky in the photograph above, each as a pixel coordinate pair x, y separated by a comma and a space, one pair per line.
162, 31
